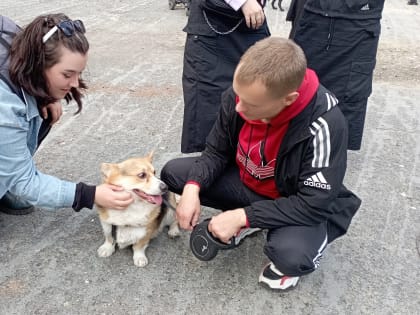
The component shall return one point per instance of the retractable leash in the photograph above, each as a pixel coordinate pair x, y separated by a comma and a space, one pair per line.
204, 245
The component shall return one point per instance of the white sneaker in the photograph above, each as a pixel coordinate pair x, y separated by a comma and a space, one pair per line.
275, 279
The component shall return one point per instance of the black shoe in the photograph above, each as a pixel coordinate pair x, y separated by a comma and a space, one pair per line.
12, 211
412, 2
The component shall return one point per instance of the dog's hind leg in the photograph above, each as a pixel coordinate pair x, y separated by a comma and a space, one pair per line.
171, 221
170, 217
173, 229
108, 247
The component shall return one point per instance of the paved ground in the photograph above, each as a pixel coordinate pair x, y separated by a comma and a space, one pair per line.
48, 262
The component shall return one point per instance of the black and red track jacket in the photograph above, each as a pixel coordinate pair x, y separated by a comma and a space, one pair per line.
308, 172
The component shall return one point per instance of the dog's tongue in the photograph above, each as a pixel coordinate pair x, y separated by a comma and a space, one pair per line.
156, 199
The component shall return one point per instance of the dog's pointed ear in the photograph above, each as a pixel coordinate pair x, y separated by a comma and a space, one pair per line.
107, 169
150, 155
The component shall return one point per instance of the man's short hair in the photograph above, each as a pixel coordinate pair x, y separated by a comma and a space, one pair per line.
278, 63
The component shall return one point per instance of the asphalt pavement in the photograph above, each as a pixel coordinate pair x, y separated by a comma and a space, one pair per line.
48, 260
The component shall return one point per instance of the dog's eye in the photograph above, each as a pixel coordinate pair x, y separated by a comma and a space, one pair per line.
142, 175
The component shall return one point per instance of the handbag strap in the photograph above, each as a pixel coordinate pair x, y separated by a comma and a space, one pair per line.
219, 32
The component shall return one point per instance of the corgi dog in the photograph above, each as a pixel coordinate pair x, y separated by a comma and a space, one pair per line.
145, 217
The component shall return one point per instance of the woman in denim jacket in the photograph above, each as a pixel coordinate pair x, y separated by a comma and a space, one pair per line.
46, 61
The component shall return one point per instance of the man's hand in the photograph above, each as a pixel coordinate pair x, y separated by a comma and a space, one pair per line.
254, 14
226, 224
55, 110
188, 209
112, 197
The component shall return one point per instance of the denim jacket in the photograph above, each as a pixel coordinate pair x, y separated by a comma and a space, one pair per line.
19, 126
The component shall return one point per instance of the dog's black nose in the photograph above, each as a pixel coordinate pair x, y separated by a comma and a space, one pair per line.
163, 187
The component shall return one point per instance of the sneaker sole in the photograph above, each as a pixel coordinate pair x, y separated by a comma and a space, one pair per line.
265, 285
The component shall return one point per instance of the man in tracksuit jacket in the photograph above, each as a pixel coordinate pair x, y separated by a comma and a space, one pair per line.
275, 159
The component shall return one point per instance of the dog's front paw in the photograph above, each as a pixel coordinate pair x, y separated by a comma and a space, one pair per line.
173, 230
106, 250
140, 260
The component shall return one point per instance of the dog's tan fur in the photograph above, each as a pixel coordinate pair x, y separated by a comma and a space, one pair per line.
142, 220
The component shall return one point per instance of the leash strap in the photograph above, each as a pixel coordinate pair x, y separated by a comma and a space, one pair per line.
114, 233
166, 202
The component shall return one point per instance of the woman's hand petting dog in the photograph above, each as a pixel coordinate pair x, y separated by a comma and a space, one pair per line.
113, 197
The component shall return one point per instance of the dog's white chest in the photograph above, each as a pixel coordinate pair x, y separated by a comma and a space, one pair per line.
132, 216
129, 234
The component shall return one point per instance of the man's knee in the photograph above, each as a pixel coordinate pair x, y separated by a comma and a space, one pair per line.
289, 259
168, 175
175, 172
167, 171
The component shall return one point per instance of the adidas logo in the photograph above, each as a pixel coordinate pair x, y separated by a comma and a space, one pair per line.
318, 181
365, 7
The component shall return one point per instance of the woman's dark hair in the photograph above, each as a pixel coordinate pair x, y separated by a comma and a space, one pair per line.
30, 57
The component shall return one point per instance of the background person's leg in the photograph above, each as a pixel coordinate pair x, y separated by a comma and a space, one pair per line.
209, 64
202, 89
343, 54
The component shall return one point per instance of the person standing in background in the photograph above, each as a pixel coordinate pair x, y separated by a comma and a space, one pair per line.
340, 41
215, 42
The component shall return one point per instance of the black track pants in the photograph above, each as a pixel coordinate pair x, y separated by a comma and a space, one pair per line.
294, 250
